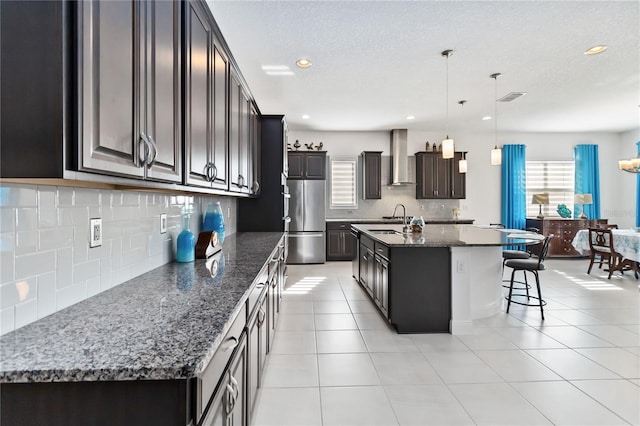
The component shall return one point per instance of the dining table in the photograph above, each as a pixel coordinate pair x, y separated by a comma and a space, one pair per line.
625, 241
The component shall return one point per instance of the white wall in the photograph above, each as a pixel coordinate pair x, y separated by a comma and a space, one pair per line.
483, 180
46, 264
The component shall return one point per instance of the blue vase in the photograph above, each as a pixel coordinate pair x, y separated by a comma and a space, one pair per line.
214, 220
186, 243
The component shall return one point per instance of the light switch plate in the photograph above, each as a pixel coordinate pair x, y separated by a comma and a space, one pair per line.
95, 232
163, 223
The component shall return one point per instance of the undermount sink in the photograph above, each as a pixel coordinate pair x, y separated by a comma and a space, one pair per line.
384, 231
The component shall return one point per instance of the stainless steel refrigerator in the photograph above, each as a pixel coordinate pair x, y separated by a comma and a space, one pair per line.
307, 228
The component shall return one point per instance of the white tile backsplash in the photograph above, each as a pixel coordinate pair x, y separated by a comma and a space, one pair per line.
45, 261
26, 312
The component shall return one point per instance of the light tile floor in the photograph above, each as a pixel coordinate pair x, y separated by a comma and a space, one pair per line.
336, 362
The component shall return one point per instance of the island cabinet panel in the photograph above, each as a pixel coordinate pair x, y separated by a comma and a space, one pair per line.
372, 175
563, 230
367, 265
130, 402
307, 165
419, 289
439, 178
411, 286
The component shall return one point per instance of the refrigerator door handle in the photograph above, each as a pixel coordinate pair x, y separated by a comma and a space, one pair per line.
306, 235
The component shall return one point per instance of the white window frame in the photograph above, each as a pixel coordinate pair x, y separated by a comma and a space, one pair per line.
555, 177
349, 179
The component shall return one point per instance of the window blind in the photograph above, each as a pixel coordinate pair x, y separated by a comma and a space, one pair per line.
343, 183
557, 178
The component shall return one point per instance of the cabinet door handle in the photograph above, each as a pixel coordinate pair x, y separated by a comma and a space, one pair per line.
155, 151
215, 172
234, 384
147, 148
261, 316
256, 186
230, 344
230, 402
240, 181
211, 172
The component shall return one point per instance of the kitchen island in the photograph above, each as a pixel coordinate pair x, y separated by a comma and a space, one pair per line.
438, 280
157, 349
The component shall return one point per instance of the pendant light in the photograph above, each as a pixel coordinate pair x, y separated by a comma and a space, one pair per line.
496, 153
462, 164
447, 144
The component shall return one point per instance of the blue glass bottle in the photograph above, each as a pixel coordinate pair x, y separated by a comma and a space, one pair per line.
186, 243
214, 220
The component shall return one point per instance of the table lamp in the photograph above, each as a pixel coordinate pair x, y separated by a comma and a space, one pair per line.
540, 199
582, 199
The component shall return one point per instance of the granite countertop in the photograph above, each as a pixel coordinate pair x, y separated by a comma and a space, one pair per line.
447, 236
399, 220
164, 324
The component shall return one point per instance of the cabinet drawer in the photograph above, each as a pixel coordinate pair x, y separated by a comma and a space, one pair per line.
338, 226
258, 289
382, 250
213, 372
560, 224
367, 242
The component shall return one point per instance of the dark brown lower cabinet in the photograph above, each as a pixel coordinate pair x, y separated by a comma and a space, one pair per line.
563, 230
228, 406
411, 286
130, 402
340, 243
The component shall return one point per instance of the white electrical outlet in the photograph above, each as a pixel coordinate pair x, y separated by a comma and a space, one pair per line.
95, 232
163, 223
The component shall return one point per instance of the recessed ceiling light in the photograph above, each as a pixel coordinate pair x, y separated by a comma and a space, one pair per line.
595, 50
411, 117
487, 117
303, 63
306, 116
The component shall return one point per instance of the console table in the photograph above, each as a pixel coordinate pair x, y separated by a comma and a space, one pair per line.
564, 230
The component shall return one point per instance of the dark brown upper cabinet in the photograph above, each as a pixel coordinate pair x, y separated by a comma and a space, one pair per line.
130, 95
439, 178
307, 165
206, 120
372, 175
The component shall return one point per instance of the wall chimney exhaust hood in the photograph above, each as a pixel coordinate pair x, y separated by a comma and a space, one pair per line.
399, 158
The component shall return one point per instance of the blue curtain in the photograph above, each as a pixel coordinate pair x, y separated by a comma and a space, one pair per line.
587, 177
514, 187
638, 192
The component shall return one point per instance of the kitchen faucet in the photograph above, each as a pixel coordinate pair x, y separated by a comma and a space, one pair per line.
405, 228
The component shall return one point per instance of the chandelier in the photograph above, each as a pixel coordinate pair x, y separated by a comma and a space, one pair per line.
632, 165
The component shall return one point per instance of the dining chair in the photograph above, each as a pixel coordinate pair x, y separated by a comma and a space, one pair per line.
532, 265
601, 244
607, 226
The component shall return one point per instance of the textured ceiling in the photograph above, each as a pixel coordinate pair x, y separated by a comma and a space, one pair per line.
376, 62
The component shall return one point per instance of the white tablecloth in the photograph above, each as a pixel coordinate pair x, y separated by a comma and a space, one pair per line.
625, 241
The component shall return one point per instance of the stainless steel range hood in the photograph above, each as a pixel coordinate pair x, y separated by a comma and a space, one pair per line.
399, 158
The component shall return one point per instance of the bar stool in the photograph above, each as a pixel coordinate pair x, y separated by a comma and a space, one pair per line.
518, 254
533, 266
